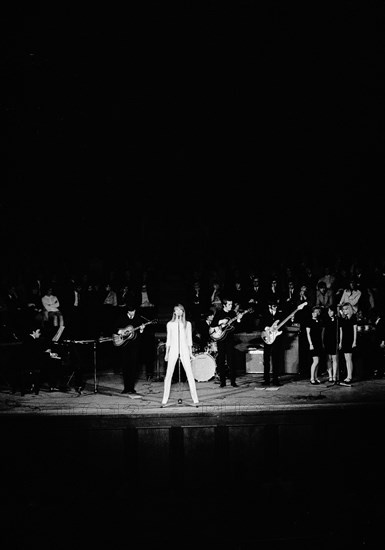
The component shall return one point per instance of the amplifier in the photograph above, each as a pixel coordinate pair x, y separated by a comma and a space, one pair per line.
254, 361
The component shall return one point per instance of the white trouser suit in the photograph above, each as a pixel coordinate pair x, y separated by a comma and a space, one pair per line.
179, 338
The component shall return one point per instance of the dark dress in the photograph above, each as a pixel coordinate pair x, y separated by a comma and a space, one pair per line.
315, 336
330, 335
346, 325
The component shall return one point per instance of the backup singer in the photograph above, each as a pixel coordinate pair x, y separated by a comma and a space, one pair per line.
314, 331
348, 338
179, 345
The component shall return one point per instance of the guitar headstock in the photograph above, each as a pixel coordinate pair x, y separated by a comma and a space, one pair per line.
301, 306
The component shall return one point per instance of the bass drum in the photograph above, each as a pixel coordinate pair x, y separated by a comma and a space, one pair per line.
203, 367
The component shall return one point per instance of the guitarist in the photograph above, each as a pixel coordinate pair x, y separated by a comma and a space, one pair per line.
128, 355
225, 346
272, 353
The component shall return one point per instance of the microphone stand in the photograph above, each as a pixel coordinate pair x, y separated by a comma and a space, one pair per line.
179, 374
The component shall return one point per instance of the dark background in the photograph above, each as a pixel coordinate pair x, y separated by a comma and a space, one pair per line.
130, 122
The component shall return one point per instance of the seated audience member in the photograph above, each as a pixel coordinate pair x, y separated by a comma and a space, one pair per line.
215, 295
351, 295
197, 302
109, 308
52, 315
256, 299
239, 294
328, 278
289, 298
273, 292
148, 310
324, 298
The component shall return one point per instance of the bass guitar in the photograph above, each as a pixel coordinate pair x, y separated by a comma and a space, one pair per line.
128, 333
219, 332
270, 333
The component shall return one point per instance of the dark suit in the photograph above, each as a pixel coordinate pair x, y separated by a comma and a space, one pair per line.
378, 353
226, 351
272, 353
197, 304
127, 355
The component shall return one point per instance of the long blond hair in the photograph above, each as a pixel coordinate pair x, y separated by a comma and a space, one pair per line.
183, 314
349, 307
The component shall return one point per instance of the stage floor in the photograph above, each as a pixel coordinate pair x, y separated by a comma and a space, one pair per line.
102, 396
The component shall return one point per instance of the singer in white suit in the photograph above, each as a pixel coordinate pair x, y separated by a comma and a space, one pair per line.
179, 344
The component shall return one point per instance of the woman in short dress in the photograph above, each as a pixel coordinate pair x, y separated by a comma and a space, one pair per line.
314, 335
330, 342
348, 337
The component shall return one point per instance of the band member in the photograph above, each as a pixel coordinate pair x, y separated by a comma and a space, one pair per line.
225, 344
126, 334
179, 347
37, 363
272, 353
201, 334
378, 343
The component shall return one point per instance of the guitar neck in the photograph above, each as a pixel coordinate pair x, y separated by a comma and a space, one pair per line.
144, 325
287, 318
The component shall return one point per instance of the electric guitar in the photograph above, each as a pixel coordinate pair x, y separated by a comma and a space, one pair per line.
270, 333
128, 333
219, 332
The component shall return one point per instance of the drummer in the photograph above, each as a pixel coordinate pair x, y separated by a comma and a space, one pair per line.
201, 336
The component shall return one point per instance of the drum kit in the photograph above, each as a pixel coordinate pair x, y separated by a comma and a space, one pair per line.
204, 364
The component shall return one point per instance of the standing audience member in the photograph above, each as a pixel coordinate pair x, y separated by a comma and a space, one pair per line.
348, 338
